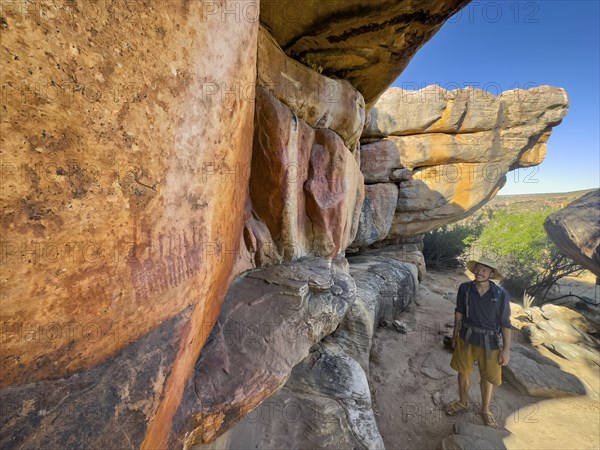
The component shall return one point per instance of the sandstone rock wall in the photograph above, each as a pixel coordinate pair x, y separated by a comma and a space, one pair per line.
121, 213
367, 43
325, 402
306, 188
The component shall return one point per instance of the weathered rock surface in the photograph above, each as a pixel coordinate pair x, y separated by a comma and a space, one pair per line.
269, 320
459, 146
334, 194
326, 401
320, 101
404, 252
108, 406
325, 404
385, 287
378, 161
540, 380
573, 352
468, 435
575, 229
121, 207
305, 187
377, 213
368, 44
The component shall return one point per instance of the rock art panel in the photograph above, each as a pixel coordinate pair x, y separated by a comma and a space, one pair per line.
575, 229
124, 197
334, 194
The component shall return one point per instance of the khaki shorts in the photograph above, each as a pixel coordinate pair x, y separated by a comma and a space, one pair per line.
464, 357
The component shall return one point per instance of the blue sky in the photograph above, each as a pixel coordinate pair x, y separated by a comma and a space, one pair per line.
509, 44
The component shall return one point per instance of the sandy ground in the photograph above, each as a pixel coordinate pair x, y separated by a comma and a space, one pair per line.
411, 380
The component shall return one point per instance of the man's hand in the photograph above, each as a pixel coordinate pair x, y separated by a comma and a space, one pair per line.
504, 356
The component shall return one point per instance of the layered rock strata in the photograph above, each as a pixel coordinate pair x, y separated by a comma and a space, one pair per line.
326, 401
448, 152
575, 230
368, 44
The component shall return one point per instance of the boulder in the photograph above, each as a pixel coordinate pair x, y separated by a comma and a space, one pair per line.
325, 404
377, 213
575, 230
368, 44
573, 352
270, 319
573, 317
305, 187
378, 161
384, 288
469, 435
541, 380
467, 442
404, 252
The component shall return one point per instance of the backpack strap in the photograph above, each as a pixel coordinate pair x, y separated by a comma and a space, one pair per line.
500, 294
467, 299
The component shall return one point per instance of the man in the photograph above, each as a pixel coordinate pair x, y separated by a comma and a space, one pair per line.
481, 316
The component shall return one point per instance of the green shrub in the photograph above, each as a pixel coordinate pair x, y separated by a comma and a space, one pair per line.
518, 242
444, 246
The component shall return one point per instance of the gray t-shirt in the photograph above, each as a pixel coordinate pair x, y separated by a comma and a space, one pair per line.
491, 311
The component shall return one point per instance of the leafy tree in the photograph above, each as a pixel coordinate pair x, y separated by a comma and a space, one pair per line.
530, 261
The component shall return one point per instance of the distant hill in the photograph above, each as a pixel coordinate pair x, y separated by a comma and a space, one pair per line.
535, 202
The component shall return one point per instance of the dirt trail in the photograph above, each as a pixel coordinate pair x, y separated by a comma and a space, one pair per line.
411, 380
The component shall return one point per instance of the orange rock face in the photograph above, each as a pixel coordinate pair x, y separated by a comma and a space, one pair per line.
126, 139
305, 186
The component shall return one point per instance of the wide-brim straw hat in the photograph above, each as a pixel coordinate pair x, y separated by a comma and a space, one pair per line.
486, 262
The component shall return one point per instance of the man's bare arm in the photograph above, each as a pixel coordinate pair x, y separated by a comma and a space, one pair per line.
505, 353
457, 321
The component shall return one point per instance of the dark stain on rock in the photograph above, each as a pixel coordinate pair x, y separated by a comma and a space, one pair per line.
195, 202
88, 408
422, 17
79, 181
33, 209
47, 141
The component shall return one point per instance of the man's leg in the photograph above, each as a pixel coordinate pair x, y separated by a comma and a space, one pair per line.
486, 395
463, 387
